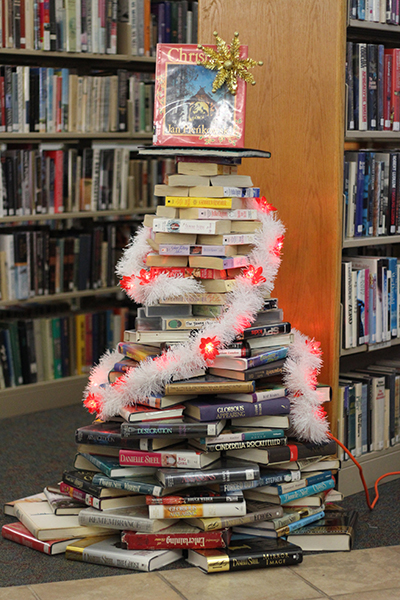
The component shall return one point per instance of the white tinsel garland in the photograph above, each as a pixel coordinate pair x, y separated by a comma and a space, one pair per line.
184, 360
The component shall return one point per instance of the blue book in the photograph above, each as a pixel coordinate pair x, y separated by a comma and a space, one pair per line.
242, 364
304, 521
304, 492
392, 260
381, 61
50, 100
366, 195
361, 10
302, 482
137, 485
358, 230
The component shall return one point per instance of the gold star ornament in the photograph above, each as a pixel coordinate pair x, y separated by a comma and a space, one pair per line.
226, 60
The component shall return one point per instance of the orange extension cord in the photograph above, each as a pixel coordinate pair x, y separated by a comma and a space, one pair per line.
369, 503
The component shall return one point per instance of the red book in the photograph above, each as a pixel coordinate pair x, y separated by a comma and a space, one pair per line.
194, 272
58, 157
186, 110
178, 535
387, 90
147, 27
58, 103
2, 102
16, 532
22, 43
395, 88
175, 458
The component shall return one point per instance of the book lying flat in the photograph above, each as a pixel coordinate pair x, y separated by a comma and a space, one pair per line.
178, 458
108, 551
272, 354
180, 430
17, 532
110, 466
334, 532
208, 385
293, 496
141, 413
135, 518
191, 226
256, 511
196, 495
247, 554
210, 409
292, 451
201, 151
85, 481
282, 531
270, 369
222, 470
179, 535
41, 521
185, 511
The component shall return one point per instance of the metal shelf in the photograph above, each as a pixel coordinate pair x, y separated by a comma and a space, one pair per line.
64, 296
370, 241
90, 214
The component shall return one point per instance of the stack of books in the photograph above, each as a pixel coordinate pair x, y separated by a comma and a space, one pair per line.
209, 460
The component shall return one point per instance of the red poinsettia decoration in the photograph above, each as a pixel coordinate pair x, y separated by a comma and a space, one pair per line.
127, 282
209, 347
264, 205
93, 403
255, 275
146, 276
278, 246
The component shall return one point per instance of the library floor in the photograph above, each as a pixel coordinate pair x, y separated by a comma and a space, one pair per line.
370, 574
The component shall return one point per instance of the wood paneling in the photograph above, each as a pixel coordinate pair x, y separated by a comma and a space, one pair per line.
296, 111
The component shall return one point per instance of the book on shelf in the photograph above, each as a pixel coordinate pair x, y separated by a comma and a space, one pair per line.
40, 520
108, 551
214, 408
293, 496
17, 532
247, 554
334, 532
189, 124
222, 470
135, 518
178, 458
179, 535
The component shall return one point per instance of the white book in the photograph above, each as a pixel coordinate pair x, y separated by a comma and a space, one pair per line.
135, 518
41, 521
209, 213
354, 333
347, 296
107, 551
378, 413
232, 180
206, 509
190, 226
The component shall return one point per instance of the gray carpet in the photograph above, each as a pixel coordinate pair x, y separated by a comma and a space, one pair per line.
36, 448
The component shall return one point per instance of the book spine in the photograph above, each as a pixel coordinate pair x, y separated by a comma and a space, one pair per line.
188, 511
158, 541
160, 459
363, 88
219, 447
307, 491
187, 202
114, 522
169, 479
156, 430
264, 330
301, 523
268, 357
130, 486
244, 436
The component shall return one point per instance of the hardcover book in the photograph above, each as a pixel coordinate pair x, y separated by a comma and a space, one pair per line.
335, 532
108, 551
222, 470
17, 532
253, 553
135, 518
186, 110
179, 535
187, 511
256, 511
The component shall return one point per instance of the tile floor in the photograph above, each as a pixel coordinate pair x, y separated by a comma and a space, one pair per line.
371, 574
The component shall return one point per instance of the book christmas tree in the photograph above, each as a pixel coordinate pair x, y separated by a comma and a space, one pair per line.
209, 440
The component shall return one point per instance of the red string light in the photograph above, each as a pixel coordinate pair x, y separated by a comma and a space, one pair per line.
147, 276
93, 403
254, 274
127, 282
278, 245
314, 347
209, 347
264, 205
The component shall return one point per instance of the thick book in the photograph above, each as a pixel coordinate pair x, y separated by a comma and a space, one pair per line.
266, 392
292, 452
196, 495
17, 532
179, 535
86, 482
188, 511
174, 458
255, 553
281, 531
110, 466
138, 351
187, 112
133, 485
270, 369
108, 551
41, 521
155, 429
334, 532
102, 503
214, 408
220, 471
253, 346
135, 518
182, 201
222, 444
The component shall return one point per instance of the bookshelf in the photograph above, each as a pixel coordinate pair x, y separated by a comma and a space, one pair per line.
300, 92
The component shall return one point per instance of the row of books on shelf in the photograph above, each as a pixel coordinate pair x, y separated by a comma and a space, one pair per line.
94, 26
54, 178
52, 100
370, 300
51, 342
39, 261
373, 102
369, 408
375, 11
372, 193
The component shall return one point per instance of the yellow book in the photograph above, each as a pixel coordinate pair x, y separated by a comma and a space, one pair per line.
204, 202
80, 323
